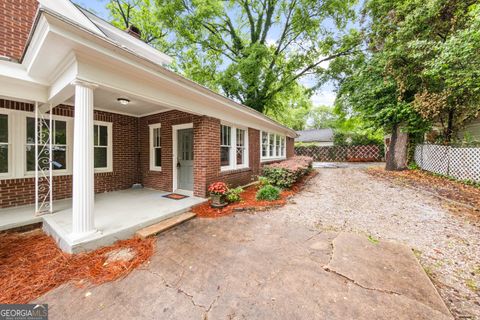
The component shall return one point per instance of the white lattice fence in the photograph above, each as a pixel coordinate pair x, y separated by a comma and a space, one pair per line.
341, 153
461, 163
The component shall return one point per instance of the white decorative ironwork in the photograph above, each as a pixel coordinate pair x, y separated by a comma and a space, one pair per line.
43, 162
461, 163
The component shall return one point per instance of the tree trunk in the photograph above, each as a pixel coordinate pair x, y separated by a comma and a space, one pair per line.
397, 150
449, 133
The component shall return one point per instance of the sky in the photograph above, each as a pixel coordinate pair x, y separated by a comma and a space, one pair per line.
325, 96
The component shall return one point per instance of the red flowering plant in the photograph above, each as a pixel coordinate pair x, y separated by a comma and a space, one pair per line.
218, 188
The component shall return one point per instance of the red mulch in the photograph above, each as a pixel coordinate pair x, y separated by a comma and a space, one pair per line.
249, 202
31, 264
448, 189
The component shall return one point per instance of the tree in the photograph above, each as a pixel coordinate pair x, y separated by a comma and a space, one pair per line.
322, 117
413, 71
256, 51
143, 15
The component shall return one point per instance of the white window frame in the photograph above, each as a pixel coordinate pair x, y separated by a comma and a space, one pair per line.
152, 148
233, 148
109, 167
281, 148
68, 146
8, 174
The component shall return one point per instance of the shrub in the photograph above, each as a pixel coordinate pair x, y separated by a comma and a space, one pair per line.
283, 174
263, 181
233, 195
219, 188
268, 193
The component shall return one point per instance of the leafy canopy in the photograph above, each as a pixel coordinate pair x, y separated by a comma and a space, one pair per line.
253, 51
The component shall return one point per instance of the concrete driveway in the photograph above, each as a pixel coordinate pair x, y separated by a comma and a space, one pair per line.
260, 266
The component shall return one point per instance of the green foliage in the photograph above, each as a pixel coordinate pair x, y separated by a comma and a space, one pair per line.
269, 193
263, 181
255, 52
280, 177
233, 195
322, 117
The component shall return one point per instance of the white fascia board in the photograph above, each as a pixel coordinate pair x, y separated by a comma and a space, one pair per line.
61, 82
70, 11
35, 44
15, 83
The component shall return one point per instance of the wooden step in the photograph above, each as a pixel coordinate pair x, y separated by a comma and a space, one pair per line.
163, 225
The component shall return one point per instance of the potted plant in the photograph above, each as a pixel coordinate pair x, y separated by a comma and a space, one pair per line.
217, 192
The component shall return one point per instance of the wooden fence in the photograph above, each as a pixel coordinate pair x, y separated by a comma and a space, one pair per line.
366, 153
461, 163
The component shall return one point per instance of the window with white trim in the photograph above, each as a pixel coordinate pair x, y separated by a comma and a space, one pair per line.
273, 146
233, 147
102, 146
225, 145
155, 147
4, 144
241, 147
264, 144
58, 135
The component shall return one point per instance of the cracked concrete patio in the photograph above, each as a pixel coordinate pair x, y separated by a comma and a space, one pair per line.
260, 266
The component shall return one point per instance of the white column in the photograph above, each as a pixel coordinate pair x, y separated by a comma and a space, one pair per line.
83, 176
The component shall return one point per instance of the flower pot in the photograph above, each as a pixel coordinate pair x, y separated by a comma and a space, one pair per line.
217, 201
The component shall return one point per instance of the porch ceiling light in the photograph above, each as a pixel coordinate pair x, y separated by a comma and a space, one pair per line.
123, 101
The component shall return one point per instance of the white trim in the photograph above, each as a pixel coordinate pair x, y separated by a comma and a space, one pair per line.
151, 148
233, 147
8, 174
109, 167
175, 129
273, 157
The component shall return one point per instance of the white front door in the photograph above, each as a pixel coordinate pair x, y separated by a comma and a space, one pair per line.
185, 159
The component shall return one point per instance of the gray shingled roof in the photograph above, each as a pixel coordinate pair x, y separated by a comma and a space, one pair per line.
314, 135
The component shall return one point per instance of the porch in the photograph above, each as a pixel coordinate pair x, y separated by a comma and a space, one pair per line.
118, 215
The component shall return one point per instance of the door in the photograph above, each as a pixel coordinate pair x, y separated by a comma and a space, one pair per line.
185, 159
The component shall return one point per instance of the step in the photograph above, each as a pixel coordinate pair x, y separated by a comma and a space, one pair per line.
163, 225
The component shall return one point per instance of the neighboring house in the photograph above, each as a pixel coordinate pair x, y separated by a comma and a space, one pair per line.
319, 137
119, 116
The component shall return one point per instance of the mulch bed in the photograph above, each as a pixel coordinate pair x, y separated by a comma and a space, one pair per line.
249, 203
464, 198
31, 264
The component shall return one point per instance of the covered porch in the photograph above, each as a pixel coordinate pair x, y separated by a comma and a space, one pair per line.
118, 215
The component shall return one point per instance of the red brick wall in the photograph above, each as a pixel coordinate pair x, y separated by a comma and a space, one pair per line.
16, 19
15, 192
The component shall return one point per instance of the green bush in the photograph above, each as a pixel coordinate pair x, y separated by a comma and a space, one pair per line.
233, 195
268, 193
263, 181
283, 174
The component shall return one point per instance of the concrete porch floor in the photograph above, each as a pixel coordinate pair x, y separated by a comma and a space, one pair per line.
118, 215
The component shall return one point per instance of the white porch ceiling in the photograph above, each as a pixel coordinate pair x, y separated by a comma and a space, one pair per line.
107, 100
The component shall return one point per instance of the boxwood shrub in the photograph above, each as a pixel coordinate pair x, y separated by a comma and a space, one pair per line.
285, 173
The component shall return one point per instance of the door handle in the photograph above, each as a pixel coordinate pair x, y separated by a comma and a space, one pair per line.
178, 164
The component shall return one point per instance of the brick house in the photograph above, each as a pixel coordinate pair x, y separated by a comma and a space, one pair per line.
87, 108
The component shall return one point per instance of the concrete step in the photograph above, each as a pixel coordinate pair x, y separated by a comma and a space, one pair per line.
163, 225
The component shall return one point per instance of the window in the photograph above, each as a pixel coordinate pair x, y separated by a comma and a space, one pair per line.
271, 149
102, 152
59, 144
225, 145
273, 146
155, 147
4, 144
240, 146
264, 144
233, 147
